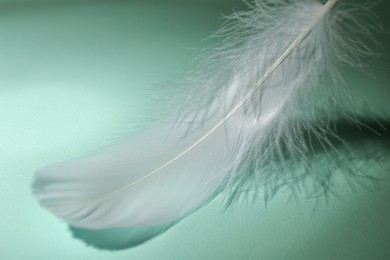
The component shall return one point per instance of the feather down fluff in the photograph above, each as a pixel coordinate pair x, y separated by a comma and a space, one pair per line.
249, 104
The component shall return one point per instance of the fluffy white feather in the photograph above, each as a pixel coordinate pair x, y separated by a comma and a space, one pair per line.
249, 103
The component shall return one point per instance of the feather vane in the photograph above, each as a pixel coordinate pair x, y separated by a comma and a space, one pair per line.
232, 118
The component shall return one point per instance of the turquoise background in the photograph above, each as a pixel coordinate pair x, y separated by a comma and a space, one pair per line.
72, 78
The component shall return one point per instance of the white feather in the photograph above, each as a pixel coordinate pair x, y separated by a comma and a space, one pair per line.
253, 89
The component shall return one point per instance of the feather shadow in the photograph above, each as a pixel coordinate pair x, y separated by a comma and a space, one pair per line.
368, 141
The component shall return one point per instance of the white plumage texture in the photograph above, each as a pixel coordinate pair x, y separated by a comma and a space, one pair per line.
246, 106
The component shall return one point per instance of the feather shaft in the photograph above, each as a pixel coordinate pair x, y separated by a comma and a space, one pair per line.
274, 66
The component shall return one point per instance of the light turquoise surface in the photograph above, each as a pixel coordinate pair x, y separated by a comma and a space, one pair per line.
71, 78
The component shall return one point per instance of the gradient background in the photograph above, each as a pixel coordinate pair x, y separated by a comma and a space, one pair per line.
72, 73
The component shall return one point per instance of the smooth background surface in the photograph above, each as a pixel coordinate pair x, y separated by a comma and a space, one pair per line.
72, 80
